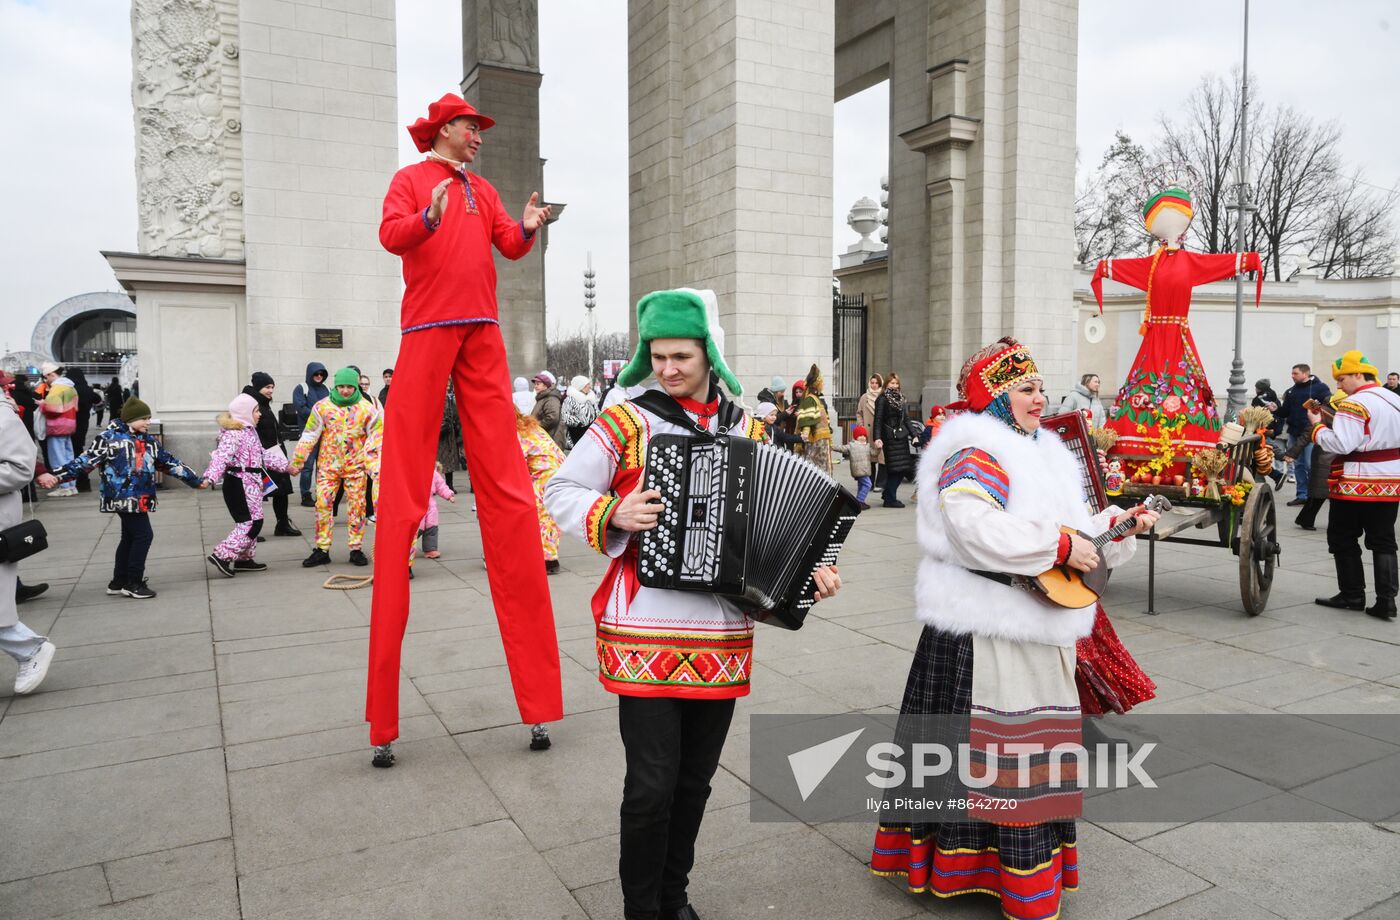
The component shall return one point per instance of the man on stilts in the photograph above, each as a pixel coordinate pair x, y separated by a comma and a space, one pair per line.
443, 221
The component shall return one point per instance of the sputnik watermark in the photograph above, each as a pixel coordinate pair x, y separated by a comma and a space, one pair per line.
935, 761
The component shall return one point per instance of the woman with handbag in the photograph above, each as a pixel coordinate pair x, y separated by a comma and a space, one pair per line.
18, 455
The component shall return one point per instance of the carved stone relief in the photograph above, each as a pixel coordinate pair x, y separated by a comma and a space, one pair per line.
185, 132
510, 33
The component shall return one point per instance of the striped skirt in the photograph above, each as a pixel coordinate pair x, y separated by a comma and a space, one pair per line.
1025, 866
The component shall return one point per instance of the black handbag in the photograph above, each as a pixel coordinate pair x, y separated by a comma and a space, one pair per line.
22, 541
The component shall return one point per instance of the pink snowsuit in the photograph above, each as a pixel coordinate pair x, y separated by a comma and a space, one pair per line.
240, 448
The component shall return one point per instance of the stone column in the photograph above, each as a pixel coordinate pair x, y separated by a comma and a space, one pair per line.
998, 144
320, 143
501, 58
730, 161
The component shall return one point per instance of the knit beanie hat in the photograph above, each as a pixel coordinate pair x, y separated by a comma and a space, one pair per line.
133, 410
521, 384
764, 408
241, 409
684, 313
578, 383
262, 379
777, 385
346, 377
859, 432
1262, 384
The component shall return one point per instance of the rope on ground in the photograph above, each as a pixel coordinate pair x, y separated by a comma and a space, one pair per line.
348, 582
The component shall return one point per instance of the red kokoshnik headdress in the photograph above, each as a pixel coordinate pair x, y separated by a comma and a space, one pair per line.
993, 371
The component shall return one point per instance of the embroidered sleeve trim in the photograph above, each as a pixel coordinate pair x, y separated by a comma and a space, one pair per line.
1351, 407
976, 471
624, 435
596, 522
755, 430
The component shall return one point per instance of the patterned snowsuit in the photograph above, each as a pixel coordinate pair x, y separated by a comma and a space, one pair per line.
240, 448
349, 438
543, 457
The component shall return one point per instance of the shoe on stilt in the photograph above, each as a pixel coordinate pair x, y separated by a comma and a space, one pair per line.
357, 557
285, 529
224, 566
539, 737
249, 565
1351, 580
383, 755
318, 557
25, 592
1387, 585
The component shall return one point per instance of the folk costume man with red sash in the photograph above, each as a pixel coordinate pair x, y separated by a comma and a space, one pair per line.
676, 659
443, 220
1364, 484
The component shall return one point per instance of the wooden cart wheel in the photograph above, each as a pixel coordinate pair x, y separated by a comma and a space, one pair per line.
1259, 549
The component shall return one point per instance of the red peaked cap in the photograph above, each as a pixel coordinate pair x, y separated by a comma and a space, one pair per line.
450, 106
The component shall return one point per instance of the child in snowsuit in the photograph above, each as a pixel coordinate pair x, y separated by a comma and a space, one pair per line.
428, 529
543, 457
858, 452
347, 430
129, 457
241, 462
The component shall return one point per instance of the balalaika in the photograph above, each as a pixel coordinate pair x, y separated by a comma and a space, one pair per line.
743, 519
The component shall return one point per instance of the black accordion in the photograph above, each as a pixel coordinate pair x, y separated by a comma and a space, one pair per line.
745, 520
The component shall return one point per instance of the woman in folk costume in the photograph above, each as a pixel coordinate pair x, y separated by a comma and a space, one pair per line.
1167, 382
676, 659
543, 457
814, 421
241, 461
993, 495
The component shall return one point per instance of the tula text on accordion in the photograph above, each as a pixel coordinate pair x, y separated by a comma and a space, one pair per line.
745, 520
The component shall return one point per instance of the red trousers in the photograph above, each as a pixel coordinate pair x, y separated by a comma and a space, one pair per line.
476, 356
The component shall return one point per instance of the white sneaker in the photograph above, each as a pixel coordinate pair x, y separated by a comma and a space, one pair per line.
33, 669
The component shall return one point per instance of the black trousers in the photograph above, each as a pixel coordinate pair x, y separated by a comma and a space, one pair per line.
892, 481
1348, 521
135, 543
673, 749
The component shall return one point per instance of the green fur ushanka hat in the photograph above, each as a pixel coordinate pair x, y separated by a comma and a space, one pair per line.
684, 313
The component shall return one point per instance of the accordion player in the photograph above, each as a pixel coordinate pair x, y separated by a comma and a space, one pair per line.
743, 519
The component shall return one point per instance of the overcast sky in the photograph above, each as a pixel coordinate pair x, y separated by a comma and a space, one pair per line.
67, 183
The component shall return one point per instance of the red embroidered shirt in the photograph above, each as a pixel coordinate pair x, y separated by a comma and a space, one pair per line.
449, 273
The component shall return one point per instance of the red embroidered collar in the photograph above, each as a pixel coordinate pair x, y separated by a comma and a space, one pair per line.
703, 411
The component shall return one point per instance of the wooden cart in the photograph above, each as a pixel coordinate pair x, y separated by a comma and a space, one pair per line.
1250, 531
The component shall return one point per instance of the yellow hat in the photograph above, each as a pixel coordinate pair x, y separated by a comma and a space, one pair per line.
1353, 362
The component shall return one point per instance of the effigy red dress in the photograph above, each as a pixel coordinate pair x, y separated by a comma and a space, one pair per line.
1167, 380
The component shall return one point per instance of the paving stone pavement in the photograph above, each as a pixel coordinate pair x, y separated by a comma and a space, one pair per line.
202, 754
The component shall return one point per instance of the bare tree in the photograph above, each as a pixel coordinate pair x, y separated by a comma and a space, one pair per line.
1108, 201
567, 352
1355, 235
1298, 164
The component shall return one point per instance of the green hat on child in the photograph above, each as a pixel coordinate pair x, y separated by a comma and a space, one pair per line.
345, 377
133, 410
684, 313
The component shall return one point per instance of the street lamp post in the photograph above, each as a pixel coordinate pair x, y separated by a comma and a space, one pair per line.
1243, 208
589, 302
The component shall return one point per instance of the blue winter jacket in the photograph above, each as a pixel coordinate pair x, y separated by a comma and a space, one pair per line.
310, 393
129, 462
1292, 411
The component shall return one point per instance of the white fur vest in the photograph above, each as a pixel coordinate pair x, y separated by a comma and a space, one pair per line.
1045, 486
